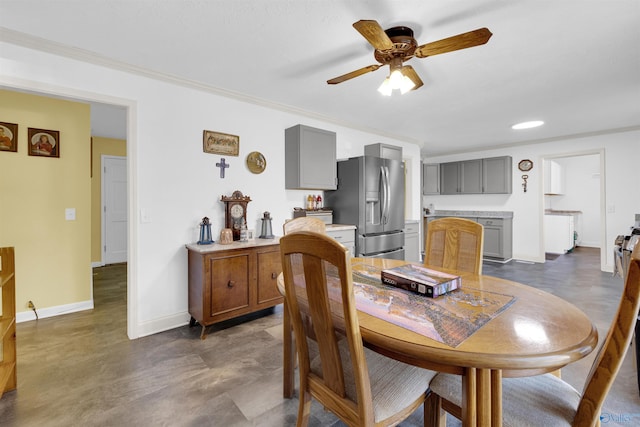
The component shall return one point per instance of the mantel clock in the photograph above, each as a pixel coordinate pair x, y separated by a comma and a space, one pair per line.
235, 212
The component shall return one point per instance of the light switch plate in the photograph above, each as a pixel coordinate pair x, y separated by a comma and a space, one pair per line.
70, 214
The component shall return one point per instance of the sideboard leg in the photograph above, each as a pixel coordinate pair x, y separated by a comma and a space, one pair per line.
203, 334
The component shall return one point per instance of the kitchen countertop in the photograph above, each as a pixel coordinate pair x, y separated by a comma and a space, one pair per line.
558, 212
471, 214
340, 227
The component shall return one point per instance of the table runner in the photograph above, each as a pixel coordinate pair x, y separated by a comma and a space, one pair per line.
449, 319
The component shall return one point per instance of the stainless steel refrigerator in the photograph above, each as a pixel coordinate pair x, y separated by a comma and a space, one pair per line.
370, 195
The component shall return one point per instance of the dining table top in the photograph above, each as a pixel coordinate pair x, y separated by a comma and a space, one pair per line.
519, 329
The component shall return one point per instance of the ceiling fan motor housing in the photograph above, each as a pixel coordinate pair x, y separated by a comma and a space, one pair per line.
404, 45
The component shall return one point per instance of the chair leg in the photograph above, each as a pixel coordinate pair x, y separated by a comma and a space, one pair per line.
434, 415
304, 407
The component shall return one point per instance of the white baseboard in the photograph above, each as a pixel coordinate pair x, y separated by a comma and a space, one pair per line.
162, 324
25, 316
96, 264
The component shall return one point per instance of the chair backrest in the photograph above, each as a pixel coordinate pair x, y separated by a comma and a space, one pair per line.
318, 283
304, 223
454, 243
615, 345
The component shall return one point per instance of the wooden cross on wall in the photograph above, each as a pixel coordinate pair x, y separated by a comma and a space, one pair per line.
222, 165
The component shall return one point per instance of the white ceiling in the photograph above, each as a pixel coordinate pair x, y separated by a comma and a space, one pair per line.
574, 64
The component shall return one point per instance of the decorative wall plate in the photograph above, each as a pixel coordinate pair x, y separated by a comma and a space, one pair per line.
256, 162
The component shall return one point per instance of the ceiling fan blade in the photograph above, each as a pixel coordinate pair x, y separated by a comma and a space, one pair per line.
373, 32
408, 71
353, 74
461, 41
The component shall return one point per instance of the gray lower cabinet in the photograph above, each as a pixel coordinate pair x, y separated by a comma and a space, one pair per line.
412, 241
498, 236
310, 158
347, 237
477, 176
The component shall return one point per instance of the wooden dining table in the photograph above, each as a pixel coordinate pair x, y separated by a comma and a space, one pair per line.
489, 329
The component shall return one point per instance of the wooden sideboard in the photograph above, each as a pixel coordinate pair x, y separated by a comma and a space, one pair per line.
227, 281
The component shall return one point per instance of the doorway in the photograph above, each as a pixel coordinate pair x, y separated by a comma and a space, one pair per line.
581, 188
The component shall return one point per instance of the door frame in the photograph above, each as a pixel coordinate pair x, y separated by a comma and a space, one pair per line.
603, 211
131, 105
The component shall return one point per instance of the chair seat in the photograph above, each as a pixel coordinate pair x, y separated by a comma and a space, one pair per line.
394, 385
542, 400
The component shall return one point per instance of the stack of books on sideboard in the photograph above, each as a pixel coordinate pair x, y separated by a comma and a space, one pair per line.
421, 280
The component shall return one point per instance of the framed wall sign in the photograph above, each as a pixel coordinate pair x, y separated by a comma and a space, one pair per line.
8, 137
43, 142
220, 143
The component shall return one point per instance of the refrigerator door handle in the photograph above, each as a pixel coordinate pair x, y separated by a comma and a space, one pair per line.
385, 194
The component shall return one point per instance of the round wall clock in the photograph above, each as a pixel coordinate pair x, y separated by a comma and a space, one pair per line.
235, 212
525, 165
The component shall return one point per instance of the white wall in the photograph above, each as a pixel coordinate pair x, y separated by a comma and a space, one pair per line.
621, 152
171, 180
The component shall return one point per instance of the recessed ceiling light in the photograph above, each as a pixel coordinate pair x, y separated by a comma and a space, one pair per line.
527, 125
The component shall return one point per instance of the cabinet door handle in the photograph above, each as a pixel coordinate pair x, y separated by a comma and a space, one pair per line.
231, 284
274, 276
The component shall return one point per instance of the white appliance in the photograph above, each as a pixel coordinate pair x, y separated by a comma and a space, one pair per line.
559, 233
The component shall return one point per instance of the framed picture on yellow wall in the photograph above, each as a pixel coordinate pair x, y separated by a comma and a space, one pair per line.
8, 137
43, 142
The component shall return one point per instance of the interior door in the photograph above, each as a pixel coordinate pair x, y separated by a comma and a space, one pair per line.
114, 209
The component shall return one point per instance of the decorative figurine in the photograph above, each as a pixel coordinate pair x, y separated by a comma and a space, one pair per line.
226, 236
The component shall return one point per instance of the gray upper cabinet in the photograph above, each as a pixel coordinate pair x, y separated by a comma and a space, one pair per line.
384, 151
471, 176
310, 158
449, 178
496, 175
461, 177
430, 178
478, 176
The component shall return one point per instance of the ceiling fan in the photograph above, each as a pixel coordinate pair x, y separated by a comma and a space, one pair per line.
396, 45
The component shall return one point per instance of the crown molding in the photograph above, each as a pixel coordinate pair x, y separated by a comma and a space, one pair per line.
51, 47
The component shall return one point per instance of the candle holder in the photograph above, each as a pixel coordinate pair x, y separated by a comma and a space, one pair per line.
205, 232
266, 227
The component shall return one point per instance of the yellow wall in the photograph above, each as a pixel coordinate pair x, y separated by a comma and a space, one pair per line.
53, 256
101, 146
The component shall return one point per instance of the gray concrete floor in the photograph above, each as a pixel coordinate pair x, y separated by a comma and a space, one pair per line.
81, 369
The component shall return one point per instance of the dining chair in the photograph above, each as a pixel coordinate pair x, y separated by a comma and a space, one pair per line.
546, 400
454, 243
304, 223
359, 386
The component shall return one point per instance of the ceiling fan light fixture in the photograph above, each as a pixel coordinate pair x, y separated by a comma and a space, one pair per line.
396, 80
527, 125
385, 87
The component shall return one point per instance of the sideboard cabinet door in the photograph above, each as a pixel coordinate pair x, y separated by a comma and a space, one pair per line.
269, 266
229, 283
